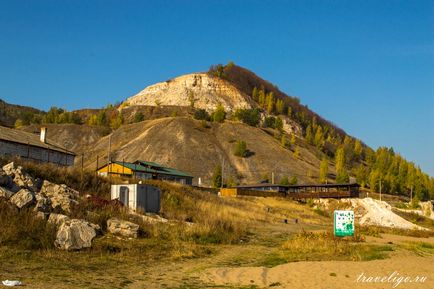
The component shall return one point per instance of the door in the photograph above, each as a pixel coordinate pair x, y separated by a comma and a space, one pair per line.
123, 195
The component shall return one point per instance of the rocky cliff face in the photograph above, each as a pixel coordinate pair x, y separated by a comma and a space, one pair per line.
199, 88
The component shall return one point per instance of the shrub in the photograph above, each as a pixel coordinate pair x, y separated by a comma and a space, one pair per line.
240, 149
293, 180
139, 116
219, 114
201, 114
248, 116
269, 121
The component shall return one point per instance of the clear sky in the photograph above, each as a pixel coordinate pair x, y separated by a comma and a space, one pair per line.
367, 66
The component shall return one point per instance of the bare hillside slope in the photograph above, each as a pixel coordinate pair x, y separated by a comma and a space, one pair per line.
185, 144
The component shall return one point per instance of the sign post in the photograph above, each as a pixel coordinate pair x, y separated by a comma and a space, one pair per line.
343, 223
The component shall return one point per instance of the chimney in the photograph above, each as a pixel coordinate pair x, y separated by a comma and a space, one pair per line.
43, 135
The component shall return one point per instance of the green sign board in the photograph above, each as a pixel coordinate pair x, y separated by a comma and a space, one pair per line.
344, 223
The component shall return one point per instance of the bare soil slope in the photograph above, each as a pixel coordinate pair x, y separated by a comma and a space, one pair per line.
186, 144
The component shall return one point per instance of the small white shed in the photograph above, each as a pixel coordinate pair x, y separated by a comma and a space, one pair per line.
138, 197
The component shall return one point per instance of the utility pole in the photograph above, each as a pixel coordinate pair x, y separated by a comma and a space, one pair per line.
411, 193
272, 178
223, 168
108, 159
380, 190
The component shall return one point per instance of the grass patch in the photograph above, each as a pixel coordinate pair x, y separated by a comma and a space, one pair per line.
419, 248
324, 246
416, 219
376, 231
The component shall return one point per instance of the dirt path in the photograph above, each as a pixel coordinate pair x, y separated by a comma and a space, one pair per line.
335, 274
328, 274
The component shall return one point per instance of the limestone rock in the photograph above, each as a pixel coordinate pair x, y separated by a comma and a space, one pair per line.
206, 92
57, 219
61, 196
75, 234
6, 193
20, 178
43, 204
122, 228
23, 198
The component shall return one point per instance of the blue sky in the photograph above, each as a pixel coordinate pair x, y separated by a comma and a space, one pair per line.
367, 66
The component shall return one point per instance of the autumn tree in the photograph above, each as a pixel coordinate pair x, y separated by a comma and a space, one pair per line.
270, 102
280, 106
323, 170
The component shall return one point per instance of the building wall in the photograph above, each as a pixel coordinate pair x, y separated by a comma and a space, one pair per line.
140, 197
116, 169
35, 153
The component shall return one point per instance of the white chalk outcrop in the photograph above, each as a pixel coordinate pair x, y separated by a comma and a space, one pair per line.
205, 91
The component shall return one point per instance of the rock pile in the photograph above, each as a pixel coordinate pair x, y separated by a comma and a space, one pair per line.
122, 228
54, 202
23, 191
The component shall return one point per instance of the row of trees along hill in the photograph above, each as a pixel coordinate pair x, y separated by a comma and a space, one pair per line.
108, 117
370, 168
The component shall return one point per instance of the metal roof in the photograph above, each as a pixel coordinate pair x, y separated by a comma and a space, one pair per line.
300, 186
261, 185
164, 170
26, 138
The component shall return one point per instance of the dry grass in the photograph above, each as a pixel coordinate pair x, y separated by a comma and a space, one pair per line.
22, 229
324, 246
85, 182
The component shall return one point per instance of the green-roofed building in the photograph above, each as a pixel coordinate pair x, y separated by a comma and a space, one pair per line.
145, 170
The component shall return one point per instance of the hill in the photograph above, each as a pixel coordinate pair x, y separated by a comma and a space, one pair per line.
10, 113
194, 121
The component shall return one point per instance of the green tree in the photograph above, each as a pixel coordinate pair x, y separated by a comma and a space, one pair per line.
284, 181
240, 149
342, 177
219, 114
117, 121
293, 139
139, 116
284, 141
251, 117
296, 152
323, 170
201, 114
278, 124
101, 118
293, 180
269, 121
216, 178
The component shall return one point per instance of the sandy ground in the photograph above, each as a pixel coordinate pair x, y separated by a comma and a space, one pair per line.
334, 274
319, 274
